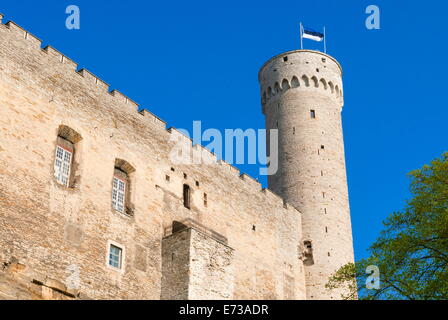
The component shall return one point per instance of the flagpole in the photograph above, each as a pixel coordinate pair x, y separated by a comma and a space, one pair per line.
301, 36
325, 41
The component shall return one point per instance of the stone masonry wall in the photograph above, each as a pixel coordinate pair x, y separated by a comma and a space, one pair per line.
302, 97
196, 266
55, 231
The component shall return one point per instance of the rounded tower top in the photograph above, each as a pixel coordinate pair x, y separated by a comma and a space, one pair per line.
295, 54
305, 69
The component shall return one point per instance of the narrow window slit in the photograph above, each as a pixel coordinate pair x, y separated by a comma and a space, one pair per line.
187, 196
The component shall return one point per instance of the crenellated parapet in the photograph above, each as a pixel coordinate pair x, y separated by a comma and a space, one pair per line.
33, 45
301, 82
279, 75
31, 42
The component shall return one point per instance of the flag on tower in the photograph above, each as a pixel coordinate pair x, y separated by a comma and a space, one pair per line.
308, 33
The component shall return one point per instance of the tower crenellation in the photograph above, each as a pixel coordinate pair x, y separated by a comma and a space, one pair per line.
317, 71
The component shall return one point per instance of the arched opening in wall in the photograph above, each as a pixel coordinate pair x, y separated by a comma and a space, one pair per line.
308, 253
315, 82
285, 84
269, 92
122, 182
323, 83
306, 80
337, 91
276, 88
263, 100
331, 85
67, 156
187, 196
295, 82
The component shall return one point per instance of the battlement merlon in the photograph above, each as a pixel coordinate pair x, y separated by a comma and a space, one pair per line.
71, 66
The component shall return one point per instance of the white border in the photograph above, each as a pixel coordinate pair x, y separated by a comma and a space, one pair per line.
123, 256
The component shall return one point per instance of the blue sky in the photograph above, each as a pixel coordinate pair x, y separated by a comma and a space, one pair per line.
198, 60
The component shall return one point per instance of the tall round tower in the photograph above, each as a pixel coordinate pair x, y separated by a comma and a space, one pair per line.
302, 97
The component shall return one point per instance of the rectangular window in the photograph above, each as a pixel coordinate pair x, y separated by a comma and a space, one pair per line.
313, 114
115, 256
62, 164
118, 194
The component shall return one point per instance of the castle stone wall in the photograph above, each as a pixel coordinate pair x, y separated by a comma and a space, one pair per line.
196, 266
56, 231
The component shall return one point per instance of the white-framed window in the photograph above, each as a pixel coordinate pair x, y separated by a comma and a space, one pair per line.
62, 165
115, 258
119, 194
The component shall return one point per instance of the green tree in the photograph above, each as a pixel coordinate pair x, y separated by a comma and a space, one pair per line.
412, 250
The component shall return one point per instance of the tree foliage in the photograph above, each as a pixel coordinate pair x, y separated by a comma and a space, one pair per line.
412, 250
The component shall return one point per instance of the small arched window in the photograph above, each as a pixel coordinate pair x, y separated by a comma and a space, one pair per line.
306, 80
119, 190
285, 84
121, 187
330, 84
323, 83
63, 162
295, 82
67, 143
276, 88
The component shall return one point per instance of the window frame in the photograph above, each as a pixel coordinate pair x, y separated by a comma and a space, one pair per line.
58, 170
186, 195
122, 260
115, 203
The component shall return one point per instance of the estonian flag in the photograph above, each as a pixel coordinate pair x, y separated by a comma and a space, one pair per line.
312, 35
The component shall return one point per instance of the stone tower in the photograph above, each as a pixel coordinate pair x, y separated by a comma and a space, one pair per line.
302, 97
